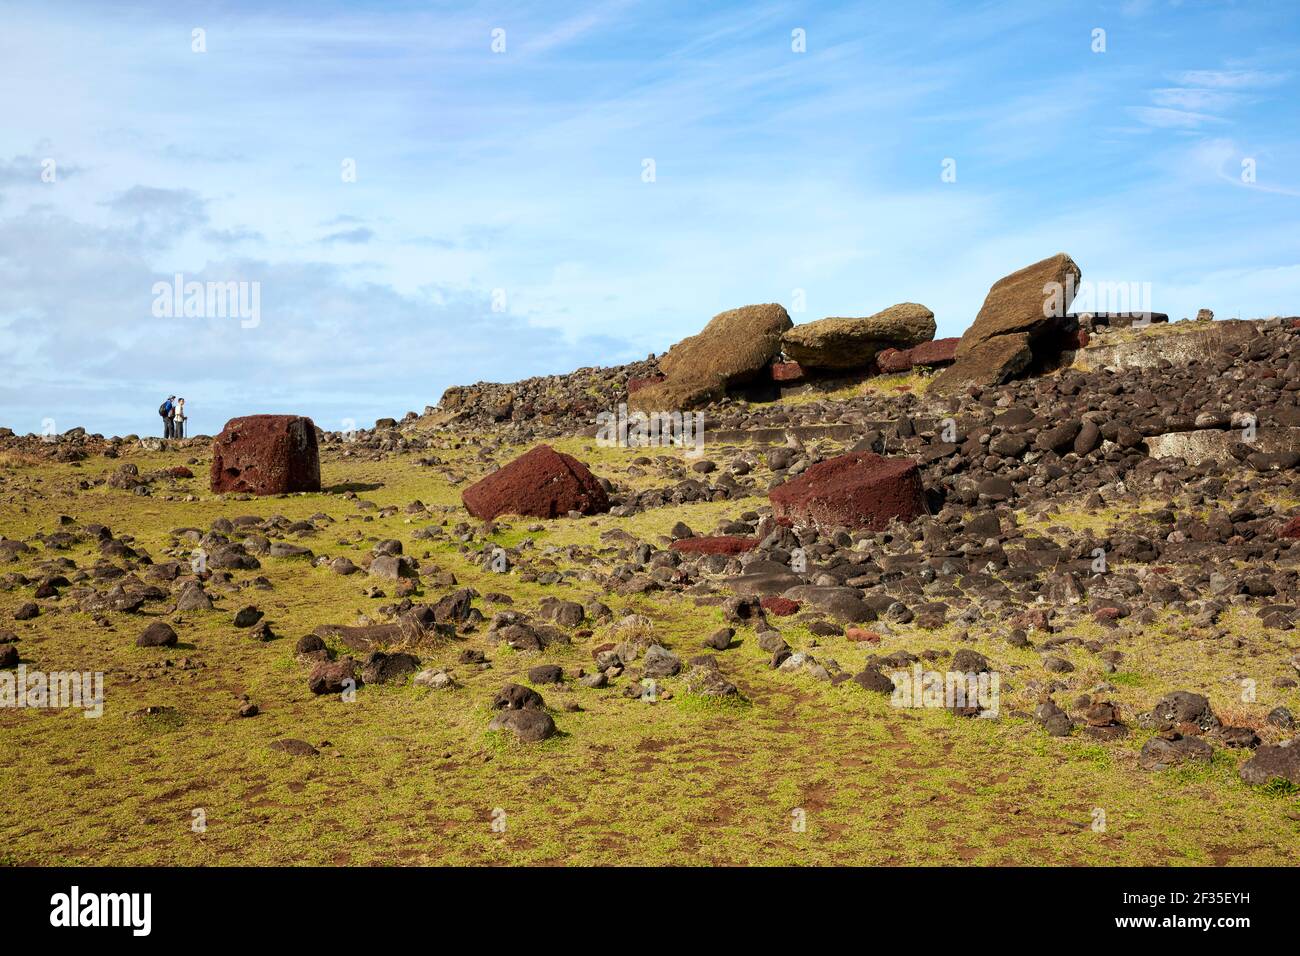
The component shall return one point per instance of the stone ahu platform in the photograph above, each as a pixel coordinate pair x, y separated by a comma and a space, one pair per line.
1116, 348
1179, 343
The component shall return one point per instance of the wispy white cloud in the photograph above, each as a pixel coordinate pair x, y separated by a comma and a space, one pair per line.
1231, 79
1166, 118
1203, 97
28, 169
357, 236
1224, 160
1194, 100
572, 29
233, 236
776, 170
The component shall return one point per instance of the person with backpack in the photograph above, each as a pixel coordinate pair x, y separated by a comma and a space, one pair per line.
166, 410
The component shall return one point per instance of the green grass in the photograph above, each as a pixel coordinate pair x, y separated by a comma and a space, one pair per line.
413, 776
1278, 787
915, 381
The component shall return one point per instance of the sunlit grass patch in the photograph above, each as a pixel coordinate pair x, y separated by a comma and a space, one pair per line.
1279, 787
407, 775
706, 704
914, 382
1126, 679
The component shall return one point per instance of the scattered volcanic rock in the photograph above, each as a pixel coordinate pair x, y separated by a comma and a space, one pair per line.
1282, 718
1160, 753
384, 668
934, 354
1239, 737
1273, 762
706, 680
392, 567
311, 646
660, 662
734, 348
157, 634
764, 583
266, 455
994, 548
232, 557
845, 604
1182, 707
542, 483
455, 608
342, 565
332, 677
636, 383
247, 616
546, 674
517, 697
853, 343
857, 490
564, 613
193, 598
435, 679
529, 725
742, 610
294, 747
720, 639
890, 361
787, 372
873, 680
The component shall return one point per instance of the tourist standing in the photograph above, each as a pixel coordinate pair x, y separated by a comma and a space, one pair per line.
166, 410
178, 419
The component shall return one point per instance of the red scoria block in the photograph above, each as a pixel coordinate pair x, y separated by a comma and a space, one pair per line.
719, 544
857, 490
779, 606
541, 483
266, 455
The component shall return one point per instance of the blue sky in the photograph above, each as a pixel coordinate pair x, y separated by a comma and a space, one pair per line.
500, 224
